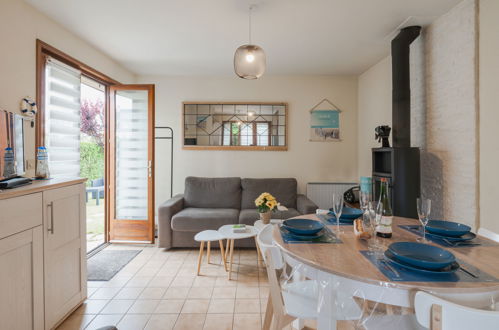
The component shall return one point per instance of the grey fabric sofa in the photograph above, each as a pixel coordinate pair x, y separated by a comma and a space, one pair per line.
209, 203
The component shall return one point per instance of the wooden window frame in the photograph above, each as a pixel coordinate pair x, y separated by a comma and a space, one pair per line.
44, 50
254, 136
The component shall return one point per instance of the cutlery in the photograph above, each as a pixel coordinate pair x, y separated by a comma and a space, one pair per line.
460, 243
468, 272
389, 267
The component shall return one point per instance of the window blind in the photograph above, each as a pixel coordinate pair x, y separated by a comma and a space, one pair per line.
132, 168
62, 118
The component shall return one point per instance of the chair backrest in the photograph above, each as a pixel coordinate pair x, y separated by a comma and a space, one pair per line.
438, 314
264, 240
224, 193
98, 182
488, 234
274, 263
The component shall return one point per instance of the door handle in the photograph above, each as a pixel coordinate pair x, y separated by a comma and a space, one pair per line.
51, 228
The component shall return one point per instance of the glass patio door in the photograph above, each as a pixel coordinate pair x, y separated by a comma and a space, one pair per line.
131, 159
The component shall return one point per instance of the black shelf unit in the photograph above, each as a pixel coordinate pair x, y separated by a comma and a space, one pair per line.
401, 167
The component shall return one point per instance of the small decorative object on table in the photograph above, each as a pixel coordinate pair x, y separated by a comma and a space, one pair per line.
241, 228
266, 203
359, 230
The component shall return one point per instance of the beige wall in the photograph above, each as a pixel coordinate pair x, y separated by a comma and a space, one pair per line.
304, 160
443, 112
375, 109
20, 26
489, 114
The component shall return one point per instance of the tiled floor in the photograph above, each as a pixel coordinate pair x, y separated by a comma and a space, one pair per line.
160, 290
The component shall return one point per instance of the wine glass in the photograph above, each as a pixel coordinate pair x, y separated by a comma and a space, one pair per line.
424, 209
338, 209
364, 199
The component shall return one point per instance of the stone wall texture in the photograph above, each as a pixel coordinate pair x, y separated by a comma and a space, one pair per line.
444, 112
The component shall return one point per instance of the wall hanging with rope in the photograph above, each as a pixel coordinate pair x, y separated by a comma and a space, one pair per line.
325, 122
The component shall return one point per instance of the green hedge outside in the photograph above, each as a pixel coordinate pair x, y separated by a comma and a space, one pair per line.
91, 161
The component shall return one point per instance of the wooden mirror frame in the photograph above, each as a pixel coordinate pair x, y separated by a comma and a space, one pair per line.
240, 148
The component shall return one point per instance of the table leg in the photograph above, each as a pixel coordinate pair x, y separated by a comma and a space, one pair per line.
200, 257
227, 249
258, 253
231, 256
224, 260
208, 251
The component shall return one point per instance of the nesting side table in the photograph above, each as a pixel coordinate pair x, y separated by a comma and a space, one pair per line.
208, 236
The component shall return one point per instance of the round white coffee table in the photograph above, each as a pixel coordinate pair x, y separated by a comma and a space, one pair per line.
229, 234
209, 236
259, 225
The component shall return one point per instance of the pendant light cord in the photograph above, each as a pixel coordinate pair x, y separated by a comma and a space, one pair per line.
249, 23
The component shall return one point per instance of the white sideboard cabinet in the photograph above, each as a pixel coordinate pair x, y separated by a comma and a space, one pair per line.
42, 253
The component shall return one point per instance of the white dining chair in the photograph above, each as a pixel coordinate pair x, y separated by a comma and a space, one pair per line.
488, 234
264, 239
438, 314
290, 301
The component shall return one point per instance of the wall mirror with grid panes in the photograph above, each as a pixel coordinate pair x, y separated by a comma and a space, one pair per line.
235, 126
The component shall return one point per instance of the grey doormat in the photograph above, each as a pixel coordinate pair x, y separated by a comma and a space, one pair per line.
105, 264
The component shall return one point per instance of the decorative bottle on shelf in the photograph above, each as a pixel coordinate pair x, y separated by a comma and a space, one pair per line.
42, 163
384, 229
9, 169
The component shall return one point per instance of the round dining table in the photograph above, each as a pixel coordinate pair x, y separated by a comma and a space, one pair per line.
345, 265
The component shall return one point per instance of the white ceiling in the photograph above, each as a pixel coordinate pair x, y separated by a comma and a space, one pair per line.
199, 37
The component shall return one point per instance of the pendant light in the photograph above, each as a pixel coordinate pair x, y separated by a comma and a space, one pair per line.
249, 60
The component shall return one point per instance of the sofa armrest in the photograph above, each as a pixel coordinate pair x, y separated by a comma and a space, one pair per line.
165, 213
305, 205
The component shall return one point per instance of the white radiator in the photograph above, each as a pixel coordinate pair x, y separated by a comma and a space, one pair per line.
321, 193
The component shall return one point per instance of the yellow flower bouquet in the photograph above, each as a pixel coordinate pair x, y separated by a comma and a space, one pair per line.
266, 202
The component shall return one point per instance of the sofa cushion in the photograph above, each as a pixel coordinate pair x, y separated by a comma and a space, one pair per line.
249, 216
198, 219
284, 190
212, 192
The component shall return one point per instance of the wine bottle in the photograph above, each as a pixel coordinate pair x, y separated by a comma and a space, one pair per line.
384, 229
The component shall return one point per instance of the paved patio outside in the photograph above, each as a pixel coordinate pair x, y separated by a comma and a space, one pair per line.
95, 224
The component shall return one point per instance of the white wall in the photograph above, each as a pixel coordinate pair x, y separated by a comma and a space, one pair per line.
375, 109
20, 26
443, 111
489, 113
304, 160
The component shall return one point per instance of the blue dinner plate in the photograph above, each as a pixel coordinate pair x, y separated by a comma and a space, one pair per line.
422, 255
466, 237
349, 213
447, 228
303, 226
453, 267
302, 237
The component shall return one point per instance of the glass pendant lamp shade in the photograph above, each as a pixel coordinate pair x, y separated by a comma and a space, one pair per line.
249, 62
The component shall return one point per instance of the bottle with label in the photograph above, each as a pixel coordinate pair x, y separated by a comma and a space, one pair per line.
9, 169
42, 163
384, 229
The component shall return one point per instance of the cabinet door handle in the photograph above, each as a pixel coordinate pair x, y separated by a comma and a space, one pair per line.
51, 228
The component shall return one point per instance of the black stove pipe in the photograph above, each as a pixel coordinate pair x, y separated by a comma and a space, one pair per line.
401, 89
